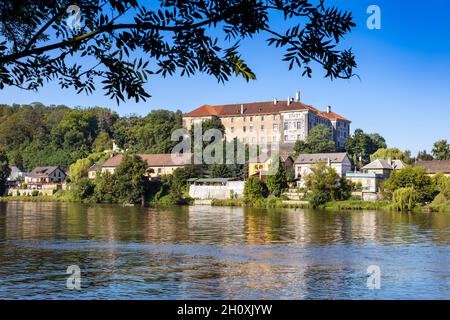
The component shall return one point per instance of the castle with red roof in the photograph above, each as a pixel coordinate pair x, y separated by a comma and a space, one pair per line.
272, 122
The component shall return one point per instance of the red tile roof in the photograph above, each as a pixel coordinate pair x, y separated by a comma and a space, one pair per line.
257, 108
155, 160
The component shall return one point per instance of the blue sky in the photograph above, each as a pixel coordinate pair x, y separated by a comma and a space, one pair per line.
403, 93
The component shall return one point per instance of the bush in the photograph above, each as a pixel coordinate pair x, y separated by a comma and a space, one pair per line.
318, 198
411, 177
83, 190
34, 193
254, 190
404, 199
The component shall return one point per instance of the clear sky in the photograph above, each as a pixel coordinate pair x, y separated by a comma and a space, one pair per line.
403, 93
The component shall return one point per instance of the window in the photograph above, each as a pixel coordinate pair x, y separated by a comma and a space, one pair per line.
299, 125
244, 119
262, 139
159, 170
251, 128
253, 139
244, 129
299, 137
251, 119
275, 127
262, 118
286, 138
262, 127
286, 126
232, 119
274, 117
232, 129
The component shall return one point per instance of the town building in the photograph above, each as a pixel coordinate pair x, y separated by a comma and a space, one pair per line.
372, 175
306, 162
275, 121
434, 167
383, 167
45, 175
158, 164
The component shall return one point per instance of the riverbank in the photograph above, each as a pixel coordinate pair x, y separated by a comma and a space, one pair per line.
268, 203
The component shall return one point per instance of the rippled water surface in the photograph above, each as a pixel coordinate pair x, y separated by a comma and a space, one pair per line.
220, 253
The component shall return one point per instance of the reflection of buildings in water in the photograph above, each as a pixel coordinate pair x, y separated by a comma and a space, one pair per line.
216, 224
166, 225
364, 226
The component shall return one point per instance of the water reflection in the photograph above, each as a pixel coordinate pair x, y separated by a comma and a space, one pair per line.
205, 252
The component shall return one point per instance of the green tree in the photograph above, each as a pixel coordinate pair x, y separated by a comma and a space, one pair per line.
83, 189
392, 153
130, 182
411, 177
4, 171
323, 181
277, 183
102, 143
80, 169
104, 188
178, 183
441, 150
424, 156
404, 199
254, 190
318, 141
177, 37
360, 146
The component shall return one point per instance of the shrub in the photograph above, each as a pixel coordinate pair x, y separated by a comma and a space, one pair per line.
318, 198
254, 189
404, 199
34, 193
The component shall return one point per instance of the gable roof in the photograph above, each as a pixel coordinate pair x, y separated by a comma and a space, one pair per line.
154, 160
435, 166
258, 108
378, 164
43, 171
313, 158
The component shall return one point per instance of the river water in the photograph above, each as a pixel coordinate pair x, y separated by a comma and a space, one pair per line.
203, 252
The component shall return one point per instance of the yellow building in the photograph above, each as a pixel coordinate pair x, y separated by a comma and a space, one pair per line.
260, 166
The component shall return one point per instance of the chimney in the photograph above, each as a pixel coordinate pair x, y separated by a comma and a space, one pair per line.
289, 101
242, 109
329, 109
275, 101
297, 96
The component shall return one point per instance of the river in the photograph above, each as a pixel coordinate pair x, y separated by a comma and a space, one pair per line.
203, 252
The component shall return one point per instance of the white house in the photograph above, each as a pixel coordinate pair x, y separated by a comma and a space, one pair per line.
305, 162
43, 175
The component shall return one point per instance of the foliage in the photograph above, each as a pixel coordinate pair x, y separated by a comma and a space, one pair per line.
404, 199
441, 150
392, 153
424, 156
176, 37
277, 182
363, 145
102, 143
177, 183
80, 169
104, 188
130, 182
325, 185
318, 141
83, 189
254, 190
411, 177
4, 171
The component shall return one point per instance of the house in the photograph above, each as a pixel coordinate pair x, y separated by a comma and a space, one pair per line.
277, 121
43, 175
158, 164
93, 170
435, 166
306, 162
260, 165
383, 167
